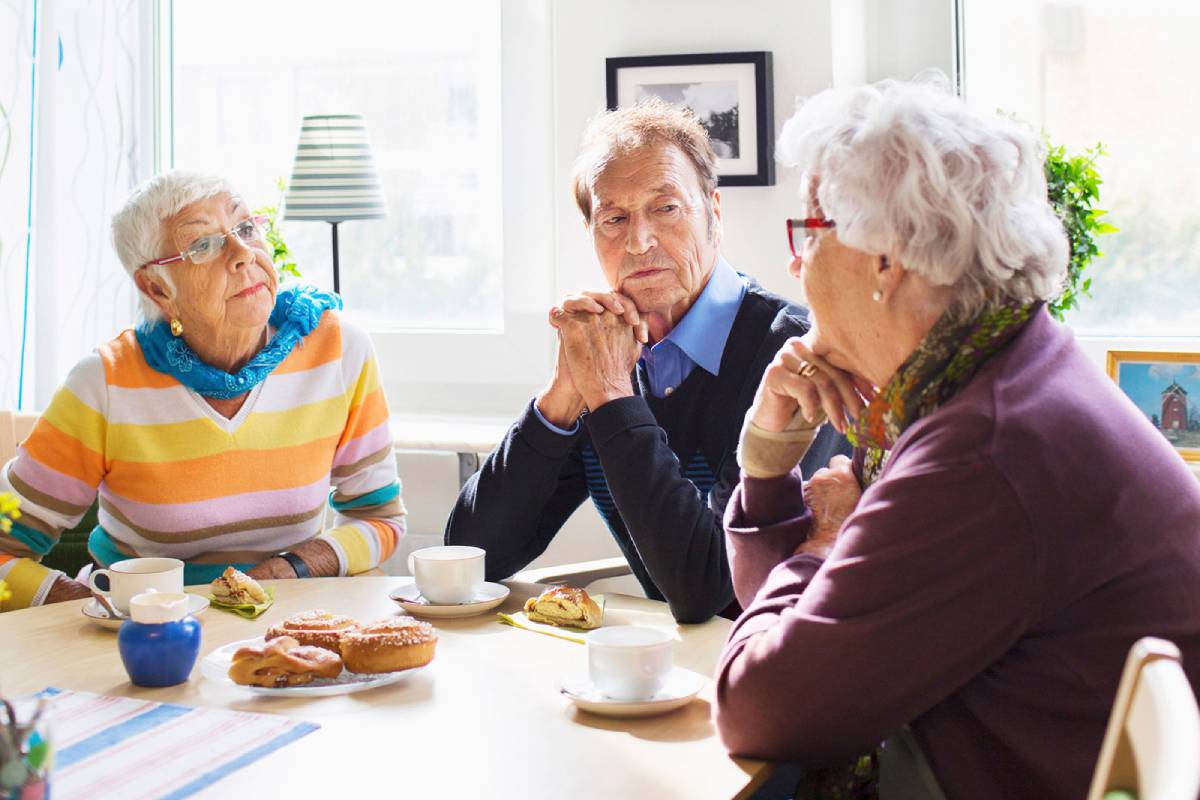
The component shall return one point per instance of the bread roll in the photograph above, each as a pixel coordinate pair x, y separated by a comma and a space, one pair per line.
389, 645
565, 607
283, 662
317, 628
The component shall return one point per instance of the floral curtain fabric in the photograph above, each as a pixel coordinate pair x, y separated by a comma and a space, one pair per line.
76, 125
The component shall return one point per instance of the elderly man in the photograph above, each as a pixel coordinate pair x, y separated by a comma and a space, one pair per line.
652, 379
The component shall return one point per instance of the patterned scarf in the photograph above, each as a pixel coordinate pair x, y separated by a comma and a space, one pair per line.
941, 366
297, 312
945, 361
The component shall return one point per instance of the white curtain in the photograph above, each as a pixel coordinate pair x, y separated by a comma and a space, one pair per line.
77, 128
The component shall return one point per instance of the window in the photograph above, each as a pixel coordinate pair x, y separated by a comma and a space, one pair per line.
426, 77
1123, 74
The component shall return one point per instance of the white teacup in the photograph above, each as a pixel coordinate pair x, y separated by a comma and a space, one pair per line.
628, 662
448, 575
136, 575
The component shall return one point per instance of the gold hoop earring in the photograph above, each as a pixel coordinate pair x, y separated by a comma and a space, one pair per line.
176, 327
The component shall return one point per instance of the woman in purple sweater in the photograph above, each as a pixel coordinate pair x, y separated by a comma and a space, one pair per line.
970, 584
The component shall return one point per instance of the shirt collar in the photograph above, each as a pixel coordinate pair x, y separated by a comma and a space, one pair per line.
704, 329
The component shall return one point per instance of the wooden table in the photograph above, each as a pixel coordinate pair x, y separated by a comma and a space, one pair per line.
485, 719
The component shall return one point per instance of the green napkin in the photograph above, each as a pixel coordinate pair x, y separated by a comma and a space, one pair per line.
247, 610
520, 620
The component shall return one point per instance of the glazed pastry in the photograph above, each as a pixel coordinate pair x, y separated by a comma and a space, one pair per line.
564, 606
235, 587
283, 662
389, 645
317, 628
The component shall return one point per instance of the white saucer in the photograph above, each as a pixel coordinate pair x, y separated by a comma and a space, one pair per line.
215, 667
681, 686
99, 615
488, 597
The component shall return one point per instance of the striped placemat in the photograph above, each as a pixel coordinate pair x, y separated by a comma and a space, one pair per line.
133, 749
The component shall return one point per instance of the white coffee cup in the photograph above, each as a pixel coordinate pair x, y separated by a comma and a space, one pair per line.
136, 575
448, 575
629, 662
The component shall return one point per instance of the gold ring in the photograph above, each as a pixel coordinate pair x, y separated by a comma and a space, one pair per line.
806, 370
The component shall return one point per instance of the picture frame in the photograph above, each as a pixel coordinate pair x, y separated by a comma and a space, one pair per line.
1166, 388
731, 94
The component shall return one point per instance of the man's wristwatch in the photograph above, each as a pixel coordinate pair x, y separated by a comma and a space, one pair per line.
297, 563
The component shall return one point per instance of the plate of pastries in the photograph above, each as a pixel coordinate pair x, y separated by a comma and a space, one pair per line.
320, 653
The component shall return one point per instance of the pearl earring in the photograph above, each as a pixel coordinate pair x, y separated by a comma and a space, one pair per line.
876, 295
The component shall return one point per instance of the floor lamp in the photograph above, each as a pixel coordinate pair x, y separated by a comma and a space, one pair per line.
334, 178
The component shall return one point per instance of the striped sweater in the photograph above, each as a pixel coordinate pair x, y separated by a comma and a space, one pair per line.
177, 479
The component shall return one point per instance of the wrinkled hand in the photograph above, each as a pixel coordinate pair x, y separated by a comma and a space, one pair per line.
599, 302
67, 589
273, 568
831, 494
561, 402
827, 391
601, 351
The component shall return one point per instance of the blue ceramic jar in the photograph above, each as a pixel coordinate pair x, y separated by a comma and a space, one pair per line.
162, 650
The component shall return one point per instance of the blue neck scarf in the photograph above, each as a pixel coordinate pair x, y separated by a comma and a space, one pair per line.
297, 312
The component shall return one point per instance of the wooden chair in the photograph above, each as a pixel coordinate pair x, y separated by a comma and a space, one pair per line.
14, 427
1152, 745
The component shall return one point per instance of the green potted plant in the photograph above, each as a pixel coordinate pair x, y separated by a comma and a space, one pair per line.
280, 254
1073, 185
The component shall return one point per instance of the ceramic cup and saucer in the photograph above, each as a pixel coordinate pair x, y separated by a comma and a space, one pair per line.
131, 577
99, 614
631, 674
448, 582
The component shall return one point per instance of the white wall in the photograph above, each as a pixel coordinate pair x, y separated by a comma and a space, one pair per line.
797, 32
904, 37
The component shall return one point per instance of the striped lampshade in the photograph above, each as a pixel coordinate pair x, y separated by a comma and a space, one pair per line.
334, 178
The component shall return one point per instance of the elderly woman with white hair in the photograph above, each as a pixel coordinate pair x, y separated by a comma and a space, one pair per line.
967, 587
213, 431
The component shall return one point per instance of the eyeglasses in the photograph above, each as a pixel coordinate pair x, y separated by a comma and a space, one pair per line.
798, 231
207, 248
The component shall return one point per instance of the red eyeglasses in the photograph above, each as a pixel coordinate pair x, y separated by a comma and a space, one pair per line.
798, 231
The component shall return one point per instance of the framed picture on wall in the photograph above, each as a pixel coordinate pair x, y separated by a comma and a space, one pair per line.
1166, 388
730, 94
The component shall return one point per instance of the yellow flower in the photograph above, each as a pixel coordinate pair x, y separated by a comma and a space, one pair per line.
8, 511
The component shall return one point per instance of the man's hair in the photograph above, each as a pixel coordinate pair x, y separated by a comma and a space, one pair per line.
612, 134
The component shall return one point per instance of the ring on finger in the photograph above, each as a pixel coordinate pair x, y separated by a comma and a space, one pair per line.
806, 370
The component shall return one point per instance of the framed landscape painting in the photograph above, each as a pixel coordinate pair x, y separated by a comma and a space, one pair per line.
1166, 388
730, 94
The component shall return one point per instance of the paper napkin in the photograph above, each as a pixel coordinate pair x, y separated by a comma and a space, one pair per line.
247, 610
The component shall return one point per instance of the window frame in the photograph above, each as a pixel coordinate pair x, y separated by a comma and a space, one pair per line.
454, 372
1096, 345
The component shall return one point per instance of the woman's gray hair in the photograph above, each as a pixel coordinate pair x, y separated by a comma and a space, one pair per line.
137, 229
906, 170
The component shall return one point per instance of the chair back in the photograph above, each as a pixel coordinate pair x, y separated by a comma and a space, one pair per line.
14, 427
1152, 744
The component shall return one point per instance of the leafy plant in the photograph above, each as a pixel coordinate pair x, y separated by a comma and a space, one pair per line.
280, 254
1073, 185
